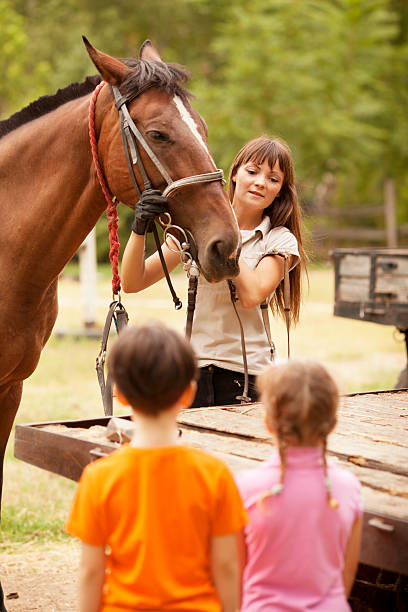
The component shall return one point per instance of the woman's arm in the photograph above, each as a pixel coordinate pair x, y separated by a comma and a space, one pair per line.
91, 578
136, 273
352, 555
226, 570
254, 286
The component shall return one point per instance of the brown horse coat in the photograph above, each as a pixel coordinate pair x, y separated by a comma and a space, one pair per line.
50, 198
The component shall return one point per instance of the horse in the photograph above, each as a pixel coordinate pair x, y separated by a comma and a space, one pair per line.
51, 199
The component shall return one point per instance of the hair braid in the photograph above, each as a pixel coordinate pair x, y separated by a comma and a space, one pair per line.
277, 487
333, 503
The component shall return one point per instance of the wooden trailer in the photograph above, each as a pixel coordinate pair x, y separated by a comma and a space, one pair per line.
372, 285
371, 440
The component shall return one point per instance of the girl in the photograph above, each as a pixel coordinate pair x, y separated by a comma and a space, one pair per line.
305, 516
263, 196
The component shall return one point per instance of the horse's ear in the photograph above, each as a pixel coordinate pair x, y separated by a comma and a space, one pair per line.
149, 52
112, 70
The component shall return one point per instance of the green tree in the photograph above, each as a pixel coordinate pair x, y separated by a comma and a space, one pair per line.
329, 76
311, 72
21, 81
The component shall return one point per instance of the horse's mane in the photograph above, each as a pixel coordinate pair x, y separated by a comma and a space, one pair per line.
46, 104
170, 77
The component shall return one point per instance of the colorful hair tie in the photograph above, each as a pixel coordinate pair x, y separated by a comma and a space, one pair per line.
277, 488
333, 503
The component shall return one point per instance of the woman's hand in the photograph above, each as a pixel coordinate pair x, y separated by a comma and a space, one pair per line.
151, 205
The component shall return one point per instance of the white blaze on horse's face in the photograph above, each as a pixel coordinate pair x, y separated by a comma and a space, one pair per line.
188, 119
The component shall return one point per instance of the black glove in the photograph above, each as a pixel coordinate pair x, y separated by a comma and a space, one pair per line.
150, 205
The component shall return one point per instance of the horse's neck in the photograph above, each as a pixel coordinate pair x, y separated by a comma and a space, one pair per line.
48, 193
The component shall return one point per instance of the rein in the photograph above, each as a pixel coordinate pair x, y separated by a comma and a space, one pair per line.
131, 136
111, 209
244, 398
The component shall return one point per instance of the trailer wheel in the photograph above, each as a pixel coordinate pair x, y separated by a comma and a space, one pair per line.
402, 382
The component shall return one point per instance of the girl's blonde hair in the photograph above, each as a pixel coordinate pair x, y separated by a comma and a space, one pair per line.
301, 400
284, 210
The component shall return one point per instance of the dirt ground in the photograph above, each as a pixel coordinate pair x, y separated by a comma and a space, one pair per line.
45, 579
42, 580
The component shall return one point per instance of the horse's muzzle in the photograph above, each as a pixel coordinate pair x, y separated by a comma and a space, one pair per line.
220, 260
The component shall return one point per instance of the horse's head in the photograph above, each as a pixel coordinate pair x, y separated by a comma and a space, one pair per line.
175, 133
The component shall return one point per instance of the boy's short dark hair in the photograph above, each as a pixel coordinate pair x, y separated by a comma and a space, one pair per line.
151, 365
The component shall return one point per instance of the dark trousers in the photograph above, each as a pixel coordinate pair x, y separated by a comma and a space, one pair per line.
219, 387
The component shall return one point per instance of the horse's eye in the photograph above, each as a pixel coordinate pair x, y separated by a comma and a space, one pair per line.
159, 136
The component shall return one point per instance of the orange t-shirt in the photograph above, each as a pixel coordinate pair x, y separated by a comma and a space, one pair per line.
157, 509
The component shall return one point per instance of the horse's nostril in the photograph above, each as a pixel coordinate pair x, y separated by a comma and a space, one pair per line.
217, 249
219, 261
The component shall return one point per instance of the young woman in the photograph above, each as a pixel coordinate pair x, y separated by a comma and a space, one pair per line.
263, 196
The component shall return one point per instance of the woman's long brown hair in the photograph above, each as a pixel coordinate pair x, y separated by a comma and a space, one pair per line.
284, 210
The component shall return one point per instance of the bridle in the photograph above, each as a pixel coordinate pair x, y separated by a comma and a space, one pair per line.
131, 136
132, 139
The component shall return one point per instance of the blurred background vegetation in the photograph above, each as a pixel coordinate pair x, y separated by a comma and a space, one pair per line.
328, 76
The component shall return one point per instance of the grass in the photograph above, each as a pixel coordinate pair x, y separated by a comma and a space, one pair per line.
362, 356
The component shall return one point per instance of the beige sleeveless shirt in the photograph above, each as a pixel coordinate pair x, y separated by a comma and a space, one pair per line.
216, 335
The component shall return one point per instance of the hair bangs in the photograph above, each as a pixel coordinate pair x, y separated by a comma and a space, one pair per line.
267, 151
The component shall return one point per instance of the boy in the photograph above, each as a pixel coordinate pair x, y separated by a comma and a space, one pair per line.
160, 522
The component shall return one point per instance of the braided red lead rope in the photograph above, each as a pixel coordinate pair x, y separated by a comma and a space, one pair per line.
111, 211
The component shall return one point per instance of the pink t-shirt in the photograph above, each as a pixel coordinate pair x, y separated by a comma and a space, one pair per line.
295, 541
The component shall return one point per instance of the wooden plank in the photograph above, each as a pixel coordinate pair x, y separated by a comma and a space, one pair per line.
357, 234
384, 548
395, 286
235, 463
353, 289
372, 285
383, 423
378, 480
225, 421
238, 436
55, 452
339, 444
338, 253
384, 541
377, 406
389, 423
354, 212
399, 265
355, 265
374, 312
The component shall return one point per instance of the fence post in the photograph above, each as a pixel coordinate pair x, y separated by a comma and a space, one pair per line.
87, 276
390, 214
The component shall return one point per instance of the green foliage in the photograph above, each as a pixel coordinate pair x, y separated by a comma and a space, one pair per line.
21, 80
311, 72
329, 76
362, 356
25, 523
